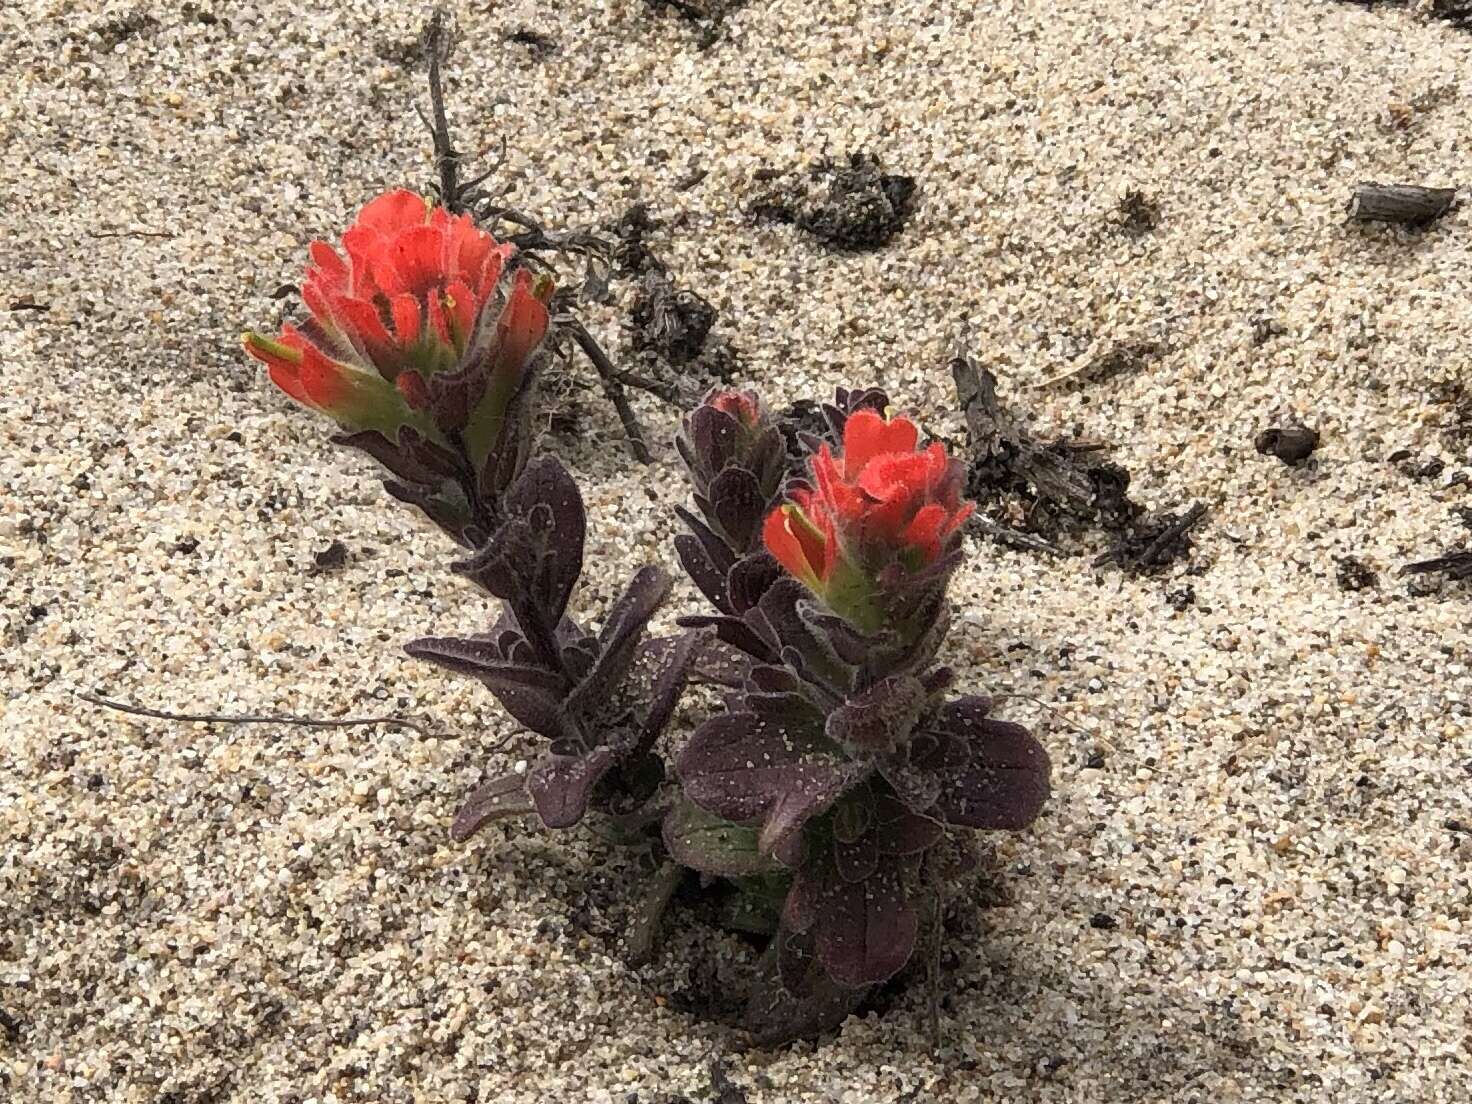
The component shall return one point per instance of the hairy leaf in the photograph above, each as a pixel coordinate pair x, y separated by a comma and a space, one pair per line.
500, 797
561, 785
881, 718
737, 766
1005, 780
712, 844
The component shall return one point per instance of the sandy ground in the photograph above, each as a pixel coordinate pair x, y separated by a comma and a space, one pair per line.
1273, 818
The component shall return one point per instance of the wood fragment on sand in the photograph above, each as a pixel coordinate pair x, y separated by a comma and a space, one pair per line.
1402, 204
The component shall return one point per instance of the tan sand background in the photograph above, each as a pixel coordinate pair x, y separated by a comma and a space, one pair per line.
193, 914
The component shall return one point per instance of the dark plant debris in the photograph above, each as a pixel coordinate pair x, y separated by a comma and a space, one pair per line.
1292, 443
669, 327
540, 46
1354, 574
1155, 540
1037, 493
332, 558
1418, 467
1454, 565
1138, 215
1265, 328
1181, 600
1456, 12
722, 1089
1402, 204
707, 17
847, 206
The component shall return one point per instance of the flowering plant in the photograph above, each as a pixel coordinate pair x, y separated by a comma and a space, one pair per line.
823, 801
839, 764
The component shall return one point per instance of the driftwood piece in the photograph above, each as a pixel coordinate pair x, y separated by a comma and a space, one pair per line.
1455, 565
1404, 204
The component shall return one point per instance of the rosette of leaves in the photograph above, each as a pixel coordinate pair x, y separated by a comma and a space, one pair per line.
601, 700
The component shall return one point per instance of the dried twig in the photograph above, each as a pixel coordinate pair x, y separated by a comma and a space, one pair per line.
1014, 537
1406, 204
612, 387
437, 42
262, 718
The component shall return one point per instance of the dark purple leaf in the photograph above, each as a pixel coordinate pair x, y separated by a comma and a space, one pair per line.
1005, 782
794, 998
898, 831
715, 437
749, 578
399, 460
733, 633
668, 660
718, 663
881, 718
857, 860
534, 558
803, 798
737, 505
451, 516
708, 578
737, 766
865, 931
532, 695
561, 785
620, 635
500, 797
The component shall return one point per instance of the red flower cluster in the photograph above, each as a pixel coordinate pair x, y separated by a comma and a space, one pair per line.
410, 301
879, 504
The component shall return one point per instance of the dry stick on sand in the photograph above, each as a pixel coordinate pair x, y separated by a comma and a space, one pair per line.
262, 718
438, 42
1406, 204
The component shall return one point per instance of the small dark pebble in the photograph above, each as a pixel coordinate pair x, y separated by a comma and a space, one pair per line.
10, 1026
334, 556
234, 437
1457, 826
187, 546
1265, 329
1354, 574
1103, 921
1291, 443
1096, 761
1183, 599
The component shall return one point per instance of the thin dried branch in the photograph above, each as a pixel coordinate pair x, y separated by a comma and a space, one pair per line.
263, 718
437, 42
612, 387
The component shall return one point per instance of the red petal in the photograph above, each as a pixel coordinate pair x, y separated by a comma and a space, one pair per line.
787, 547
439, 325
286, 378
322, 380
394, 211
408, 319
523, 323
414, 261
327, 265
462, 310
867, 435
925, 529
